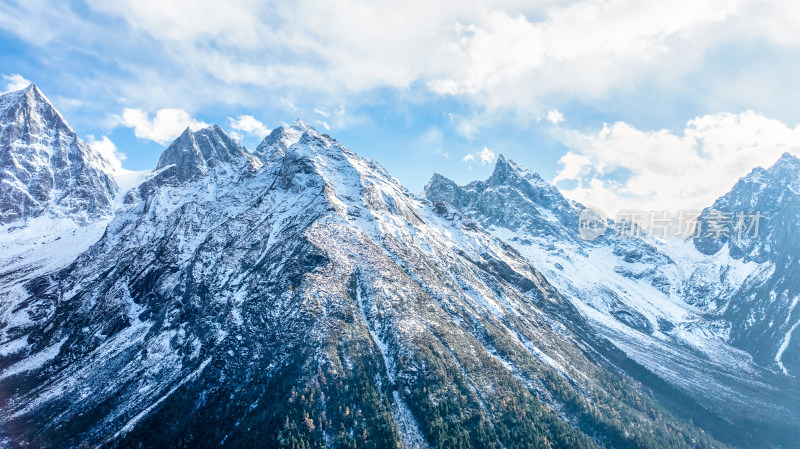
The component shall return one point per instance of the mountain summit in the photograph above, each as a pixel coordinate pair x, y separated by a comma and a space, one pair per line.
193, 154
685, 309
44, 167
512, 197
763, 310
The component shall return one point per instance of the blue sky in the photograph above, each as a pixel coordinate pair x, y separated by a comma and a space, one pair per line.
622, 103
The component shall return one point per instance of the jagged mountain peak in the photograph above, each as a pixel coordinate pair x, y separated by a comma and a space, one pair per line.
185, 136
351, 183
789, 157
787, 170
304, 142
506, 170
301, 124
513, 197
319, 141
10, 98
508, 174
763, 187
32, 106
296, 157
218, 294
437, 176
32, 92
45, 167
442, 188
504, 166
438, 179
194, 153
274, 146
763, 221
774, 194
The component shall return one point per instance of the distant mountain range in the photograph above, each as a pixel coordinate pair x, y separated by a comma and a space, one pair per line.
299, 296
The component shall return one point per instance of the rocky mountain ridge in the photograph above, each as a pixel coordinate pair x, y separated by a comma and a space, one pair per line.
702, 313
47, 169
299, 296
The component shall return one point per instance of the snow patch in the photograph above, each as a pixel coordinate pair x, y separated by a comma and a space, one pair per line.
34, 361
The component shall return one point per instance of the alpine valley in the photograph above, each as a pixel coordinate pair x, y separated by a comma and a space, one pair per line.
298, 296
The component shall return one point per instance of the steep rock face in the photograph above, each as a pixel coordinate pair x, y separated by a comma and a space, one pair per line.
194, 155
519, 206
654, 299
273, 148
312, 302
56, 193
763, 311
45, 168
774, 193
514, 198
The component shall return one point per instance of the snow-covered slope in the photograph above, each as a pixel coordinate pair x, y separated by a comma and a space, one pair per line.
301, 297
653, 298
762, 309
57, 194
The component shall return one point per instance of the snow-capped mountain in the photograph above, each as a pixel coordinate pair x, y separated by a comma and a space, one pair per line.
763, 310
512, 198
308, 301
208, 152
299, 296
662, 302
46, 168
56, 192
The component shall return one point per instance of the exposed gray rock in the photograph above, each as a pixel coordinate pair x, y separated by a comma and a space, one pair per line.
45, 168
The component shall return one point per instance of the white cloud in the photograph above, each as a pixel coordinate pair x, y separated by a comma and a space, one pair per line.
288, 104
39, 21
249, 125
443, 153
166, 124
500, 55
321, 112
555, 117
484, 156
15, 82
518, 55
624, 167
323, 124
108, 150
584, 49
575, 166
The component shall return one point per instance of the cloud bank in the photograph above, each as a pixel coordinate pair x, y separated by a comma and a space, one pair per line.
516, 55
108, 149
485, 64
165, 126
250, 125
623, 167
